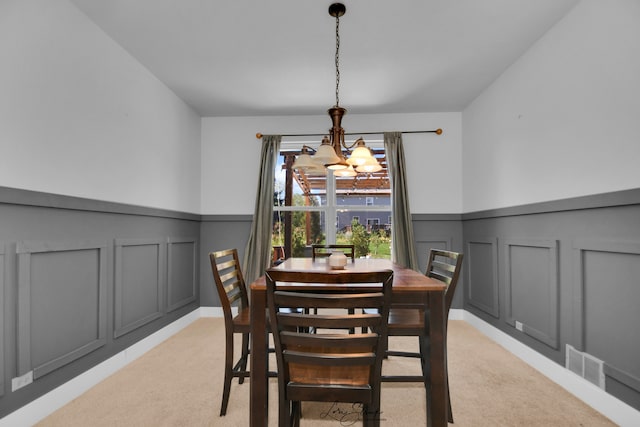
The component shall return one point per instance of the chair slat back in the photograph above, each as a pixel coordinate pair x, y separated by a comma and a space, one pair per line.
229, 280
323, 251
445, 266
314, 352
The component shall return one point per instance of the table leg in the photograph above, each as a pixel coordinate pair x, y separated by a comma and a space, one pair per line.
437, 417
259, 384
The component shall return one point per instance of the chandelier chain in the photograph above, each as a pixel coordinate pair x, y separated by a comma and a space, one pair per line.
337, 60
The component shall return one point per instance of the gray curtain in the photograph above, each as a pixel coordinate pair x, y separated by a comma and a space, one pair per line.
404, 250
257, 255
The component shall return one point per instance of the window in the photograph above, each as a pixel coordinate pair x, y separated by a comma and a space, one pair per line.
303, 203
373, 223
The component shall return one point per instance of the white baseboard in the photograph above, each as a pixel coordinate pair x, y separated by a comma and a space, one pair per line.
456, 314
212, 311
612, 408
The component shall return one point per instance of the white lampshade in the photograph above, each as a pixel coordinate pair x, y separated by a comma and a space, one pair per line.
371, 165
304, 162
345, 172
359, 156
326, 155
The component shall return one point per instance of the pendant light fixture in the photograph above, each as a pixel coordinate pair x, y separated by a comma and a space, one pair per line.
329, 154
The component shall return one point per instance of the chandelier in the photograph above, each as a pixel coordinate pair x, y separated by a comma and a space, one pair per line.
329, 154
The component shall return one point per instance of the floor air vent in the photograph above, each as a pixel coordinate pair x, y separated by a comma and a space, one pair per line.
585, 365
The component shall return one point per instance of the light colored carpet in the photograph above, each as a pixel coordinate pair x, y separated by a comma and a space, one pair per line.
179, 383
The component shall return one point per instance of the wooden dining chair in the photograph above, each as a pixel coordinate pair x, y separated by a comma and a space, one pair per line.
409, 320
232, 291
323, 251
328, 365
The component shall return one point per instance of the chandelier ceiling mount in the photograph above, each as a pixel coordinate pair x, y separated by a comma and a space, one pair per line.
330, 153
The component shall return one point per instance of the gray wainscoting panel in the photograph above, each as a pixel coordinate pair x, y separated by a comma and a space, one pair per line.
139, 281
482, 275
531, 288
58, 288
182, 261
607, 288
61, 287
424, 246
2, 361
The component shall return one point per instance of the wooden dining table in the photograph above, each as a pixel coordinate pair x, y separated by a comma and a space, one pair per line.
409, 286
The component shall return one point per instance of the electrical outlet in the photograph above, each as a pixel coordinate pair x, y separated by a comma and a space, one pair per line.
24, 380
519, 326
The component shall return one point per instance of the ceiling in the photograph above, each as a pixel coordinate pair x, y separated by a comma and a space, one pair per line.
276, 57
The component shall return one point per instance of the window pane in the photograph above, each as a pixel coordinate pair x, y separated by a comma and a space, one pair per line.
374, 184
314, 184
368, 231
307, 228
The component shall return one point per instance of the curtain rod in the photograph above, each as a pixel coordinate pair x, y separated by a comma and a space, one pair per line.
437, 132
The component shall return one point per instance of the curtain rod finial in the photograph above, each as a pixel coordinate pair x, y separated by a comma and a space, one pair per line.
259, 135
438, 131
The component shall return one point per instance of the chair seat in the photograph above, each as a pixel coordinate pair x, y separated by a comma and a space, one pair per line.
406, 321
242, 321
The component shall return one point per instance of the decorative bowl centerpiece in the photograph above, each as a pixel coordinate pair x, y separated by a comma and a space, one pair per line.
337, 260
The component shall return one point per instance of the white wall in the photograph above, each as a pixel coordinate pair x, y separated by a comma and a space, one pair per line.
79, 116
231, 156
564, 120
